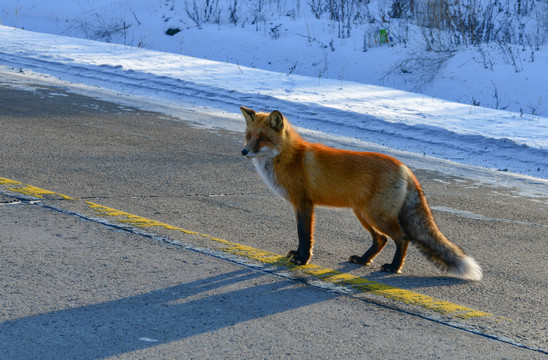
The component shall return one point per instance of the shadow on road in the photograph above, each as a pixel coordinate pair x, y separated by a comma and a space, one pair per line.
151, 319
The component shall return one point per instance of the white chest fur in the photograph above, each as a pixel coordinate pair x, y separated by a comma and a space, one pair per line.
265, 168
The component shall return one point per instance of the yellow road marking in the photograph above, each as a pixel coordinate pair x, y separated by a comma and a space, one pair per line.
4, 181
314, 271
31, 190
321, 273
131, 219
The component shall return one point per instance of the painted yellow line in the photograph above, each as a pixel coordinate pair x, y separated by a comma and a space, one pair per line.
30, 190
321, 273
131, 219
4, 181
313, 271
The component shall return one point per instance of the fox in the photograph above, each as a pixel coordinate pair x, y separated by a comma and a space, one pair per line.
384, 194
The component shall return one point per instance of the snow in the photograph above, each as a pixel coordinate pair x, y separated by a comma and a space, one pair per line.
320, 82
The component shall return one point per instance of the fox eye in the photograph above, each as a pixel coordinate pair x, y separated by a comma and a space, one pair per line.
263, 138
248, 137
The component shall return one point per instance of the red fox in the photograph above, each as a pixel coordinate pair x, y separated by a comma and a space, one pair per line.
384, 194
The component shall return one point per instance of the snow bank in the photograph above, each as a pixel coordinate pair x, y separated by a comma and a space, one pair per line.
496, 56
402, 120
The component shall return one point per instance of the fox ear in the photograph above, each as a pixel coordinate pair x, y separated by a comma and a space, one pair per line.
276, 120
249, 114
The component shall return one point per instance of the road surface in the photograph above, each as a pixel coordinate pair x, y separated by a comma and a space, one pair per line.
155, 236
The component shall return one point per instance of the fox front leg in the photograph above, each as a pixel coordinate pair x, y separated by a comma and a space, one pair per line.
305, 228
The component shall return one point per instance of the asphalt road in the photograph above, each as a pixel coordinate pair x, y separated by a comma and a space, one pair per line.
77, 286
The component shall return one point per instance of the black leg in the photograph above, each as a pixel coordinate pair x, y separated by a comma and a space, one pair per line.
305, 229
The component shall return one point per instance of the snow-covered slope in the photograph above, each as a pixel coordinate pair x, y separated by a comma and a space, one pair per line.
507, 69
402, 120
320, 62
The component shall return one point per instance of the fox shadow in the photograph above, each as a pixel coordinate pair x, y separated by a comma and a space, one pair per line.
158, 317
404, 281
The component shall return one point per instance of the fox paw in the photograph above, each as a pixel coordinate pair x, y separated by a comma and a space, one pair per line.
295, 258
355, 259
391, 269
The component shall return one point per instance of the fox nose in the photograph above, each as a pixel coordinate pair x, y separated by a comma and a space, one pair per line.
245, 152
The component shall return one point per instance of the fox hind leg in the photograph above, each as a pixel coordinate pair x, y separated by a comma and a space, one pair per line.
379, 241
394, 231
399, 257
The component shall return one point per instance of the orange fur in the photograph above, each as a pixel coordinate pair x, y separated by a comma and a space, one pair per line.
384, 194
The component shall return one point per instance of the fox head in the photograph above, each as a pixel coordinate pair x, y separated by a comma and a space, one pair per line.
263, 134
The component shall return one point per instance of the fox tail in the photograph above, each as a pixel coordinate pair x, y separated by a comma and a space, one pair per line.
416, 219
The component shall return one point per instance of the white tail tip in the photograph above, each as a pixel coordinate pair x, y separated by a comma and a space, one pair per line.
468, 269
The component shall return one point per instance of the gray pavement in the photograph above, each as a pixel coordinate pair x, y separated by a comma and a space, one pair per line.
84, 288
78, 289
